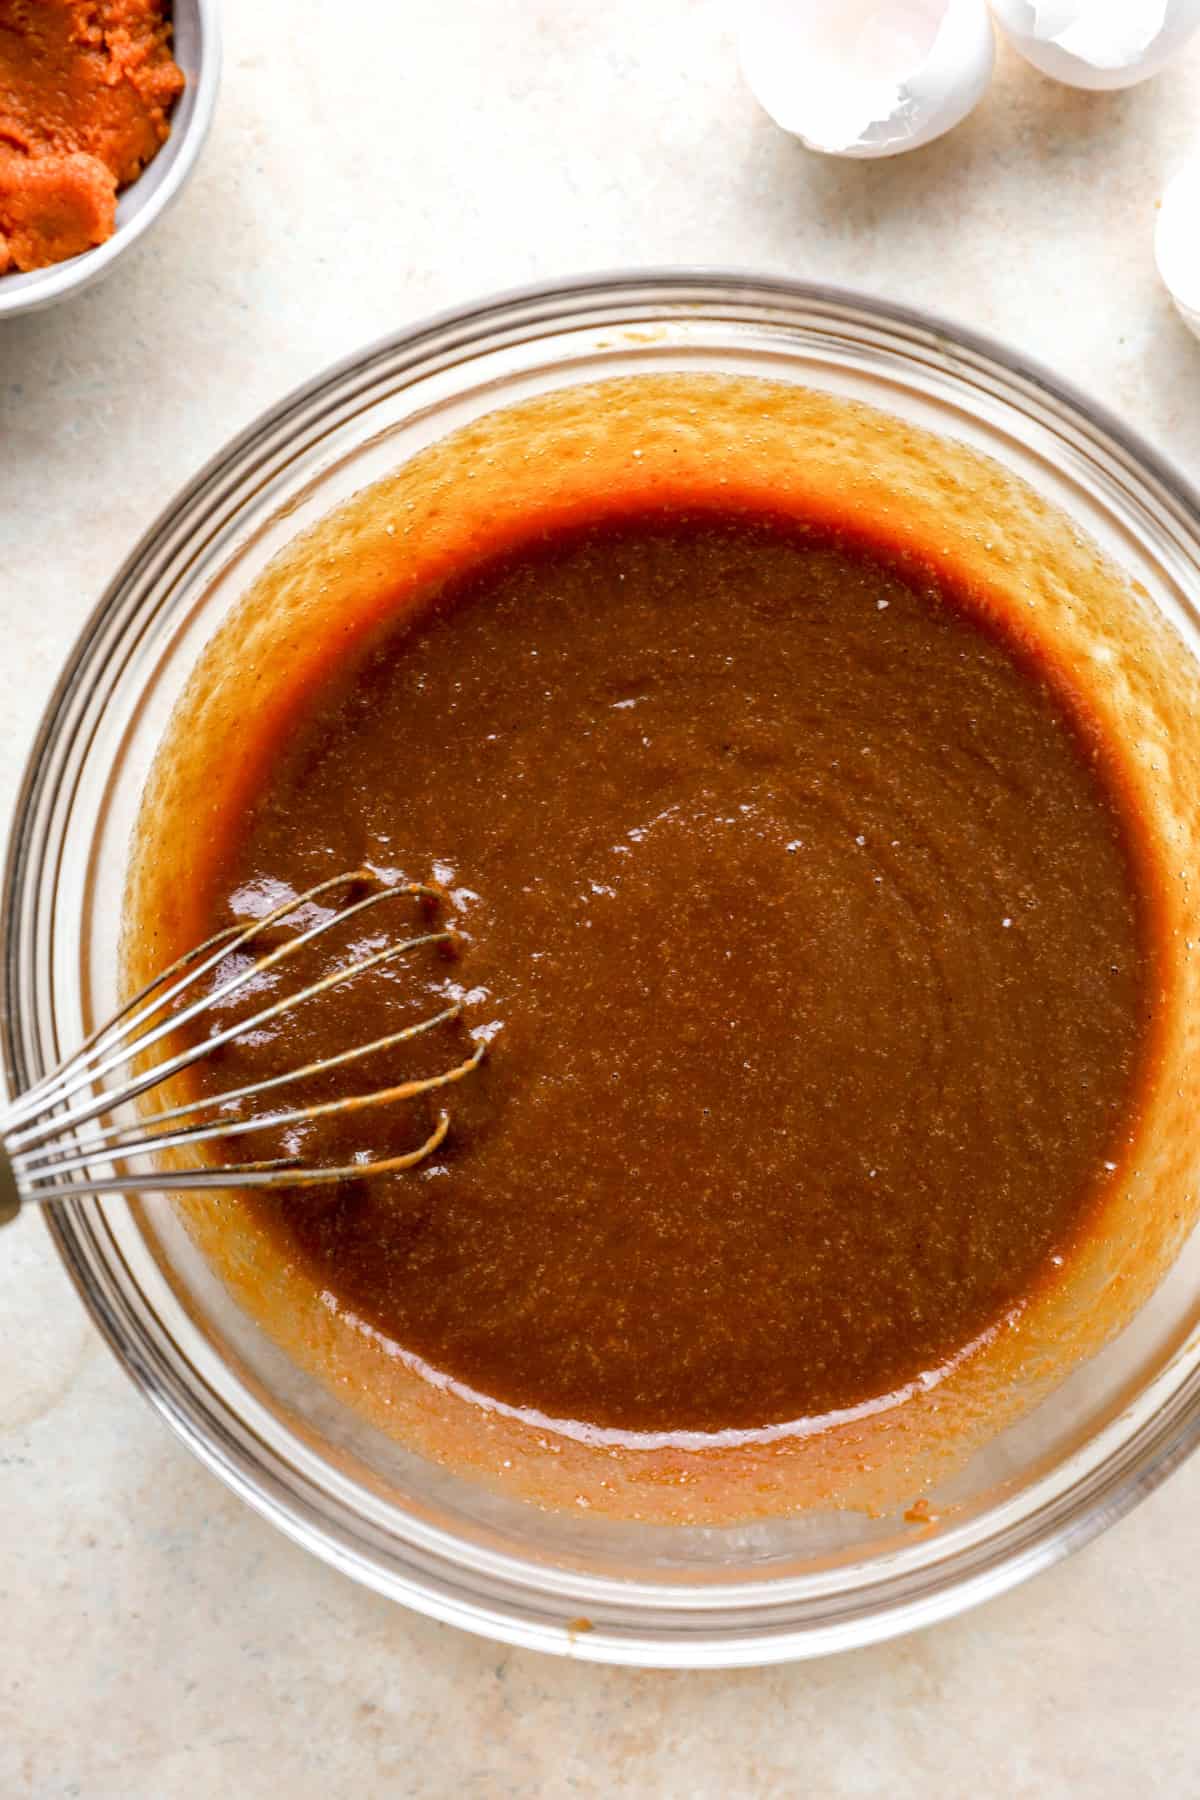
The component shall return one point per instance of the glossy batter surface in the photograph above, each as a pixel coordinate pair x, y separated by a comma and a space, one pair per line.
801, 919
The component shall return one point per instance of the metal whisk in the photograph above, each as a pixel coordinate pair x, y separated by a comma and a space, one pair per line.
51, 1135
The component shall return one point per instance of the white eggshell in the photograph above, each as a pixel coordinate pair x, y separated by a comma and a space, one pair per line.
1177, 243
1098, 43
864, 78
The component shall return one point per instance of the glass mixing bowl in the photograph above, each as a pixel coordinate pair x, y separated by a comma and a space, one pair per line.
612, 1591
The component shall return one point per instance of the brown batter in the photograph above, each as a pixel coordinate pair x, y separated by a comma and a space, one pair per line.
1013, 736
86, 87
801, 913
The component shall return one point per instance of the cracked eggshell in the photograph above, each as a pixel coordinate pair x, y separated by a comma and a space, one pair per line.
1098, 43
1177, 243
866, 77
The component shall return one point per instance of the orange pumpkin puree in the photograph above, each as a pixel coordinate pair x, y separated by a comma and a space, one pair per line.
86, 87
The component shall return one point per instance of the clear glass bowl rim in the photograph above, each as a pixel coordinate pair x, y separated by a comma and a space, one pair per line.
689, 1633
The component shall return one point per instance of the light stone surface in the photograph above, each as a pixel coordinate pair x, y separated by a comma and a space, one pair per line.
161, 1640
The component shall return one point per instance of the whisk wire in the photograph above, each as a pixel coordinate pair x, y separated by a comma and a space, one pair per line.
280, 1172
113, 1137
130, 1090
277, 1121
47, 1144
130, 1044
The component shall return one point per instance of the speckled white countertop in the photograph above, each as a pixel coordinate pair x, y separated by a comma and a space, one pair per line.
159, 1639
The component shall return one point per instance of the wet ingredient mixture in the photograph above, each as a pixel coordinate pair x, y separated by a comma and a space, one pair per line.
800, 910
86, 87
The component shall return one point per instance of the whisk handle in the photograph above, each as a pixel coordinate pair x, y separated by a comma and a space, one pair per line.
10, 1197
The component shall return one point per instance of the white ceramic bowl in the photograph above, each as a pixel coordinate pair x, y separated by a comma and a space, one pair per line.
197, 50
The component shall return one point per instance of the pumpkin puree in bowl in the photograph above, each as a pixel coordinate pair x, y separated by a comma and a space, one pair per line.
86, 87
